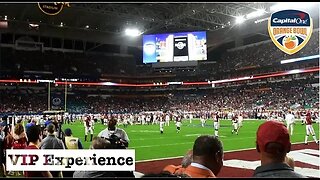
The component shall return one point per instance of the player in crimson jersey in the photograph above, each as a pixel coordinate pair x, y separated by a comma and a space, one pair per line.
309, 128
235, 124
216, 123
88, 124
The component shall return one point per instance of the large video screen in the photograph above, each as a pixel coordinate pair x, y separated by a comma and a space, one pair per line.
183, 46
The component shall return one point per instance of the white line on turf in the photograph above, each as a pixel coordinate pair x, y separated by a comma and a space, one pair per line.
166, 158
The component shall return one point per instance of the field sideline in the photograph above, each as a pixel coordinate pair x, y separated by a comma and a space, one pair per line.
150, 144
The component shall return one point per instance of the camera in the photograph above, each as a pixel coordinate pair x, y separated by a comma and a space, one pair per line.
116, 142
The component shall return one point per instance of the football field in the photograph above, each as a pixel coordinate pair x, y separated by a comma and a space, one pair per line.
150, 144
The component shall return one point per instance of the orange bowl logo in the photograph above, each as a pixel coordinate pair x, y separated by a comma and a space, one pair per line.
290, 30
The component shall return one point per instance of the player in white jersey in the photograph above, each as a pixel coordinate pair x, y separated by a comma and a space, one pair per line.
290, 121
216, 124
178, 123
240, 120
167, 120
154, 119
202, 120
235, 124
161, 123
190, 118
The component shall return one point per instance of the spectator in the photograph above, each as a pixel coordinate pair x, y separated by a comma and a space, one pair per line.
113, 130
273, 147
30, 123
8, 142
290, 161
186, 161
2, 150
19, 137
52, 142
164, 174
70, 142
101, 143
34, 136
207, 158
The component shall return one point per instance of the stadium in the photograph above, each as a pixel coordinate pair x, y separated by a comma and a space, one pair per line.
165, 74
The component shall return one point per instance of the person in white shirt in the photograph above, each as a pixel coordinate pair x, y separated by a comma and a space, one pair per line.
113, 130
290, 121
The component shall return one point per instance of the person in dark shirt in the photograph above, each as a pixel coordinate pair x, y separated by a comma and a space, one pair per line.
33, 134
273, 144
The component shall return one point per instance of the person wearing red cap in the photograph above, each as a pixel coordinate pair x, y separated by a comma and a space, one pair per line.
309, 129
273, 144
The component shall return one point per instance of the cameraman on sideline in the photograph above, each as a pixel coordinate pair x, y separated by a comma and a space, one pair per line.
112, 130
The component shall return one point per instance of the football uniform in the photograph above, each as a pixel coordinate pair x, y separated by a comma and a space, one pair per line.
290, 121
161, 123
203, 120
235, 125
167, 120
240, 119
88, 124
216, 124
309, 129
178, 124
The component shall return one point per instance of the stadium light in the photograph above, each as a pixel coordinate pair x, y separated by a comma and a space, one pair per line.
254, 14
132, 32
240, 19
33, 25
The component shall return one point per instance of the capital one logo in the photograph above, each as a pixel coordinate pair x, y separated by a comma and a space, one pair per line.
290, 30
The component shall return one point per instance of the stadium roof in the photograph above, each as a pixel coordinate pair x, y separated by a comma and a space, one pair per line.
149, 17
114, 18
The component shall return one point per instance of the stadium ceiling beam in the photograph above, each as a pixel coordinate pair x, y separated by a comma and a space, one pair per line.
187, 11
124, 12
224, 10
254, 6
211, 19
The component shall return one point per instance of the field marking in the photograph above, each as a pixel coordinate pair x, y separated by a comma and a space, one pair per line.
230, 139
235, 150
192, 135
146, 131
141, 139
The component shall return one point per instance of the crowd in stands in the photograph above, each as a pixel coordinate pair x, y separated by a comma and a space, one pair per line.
274, 96
265, 54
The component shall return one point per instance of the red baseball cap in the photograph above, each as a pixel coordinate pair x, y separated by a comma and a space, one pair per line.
273, 131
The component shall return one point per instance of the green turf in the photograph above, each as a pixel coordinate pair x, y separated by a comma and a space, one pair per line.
150, 144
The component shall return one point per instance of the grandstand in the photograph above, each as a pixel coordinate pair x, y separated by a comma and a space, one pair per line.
95, 70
